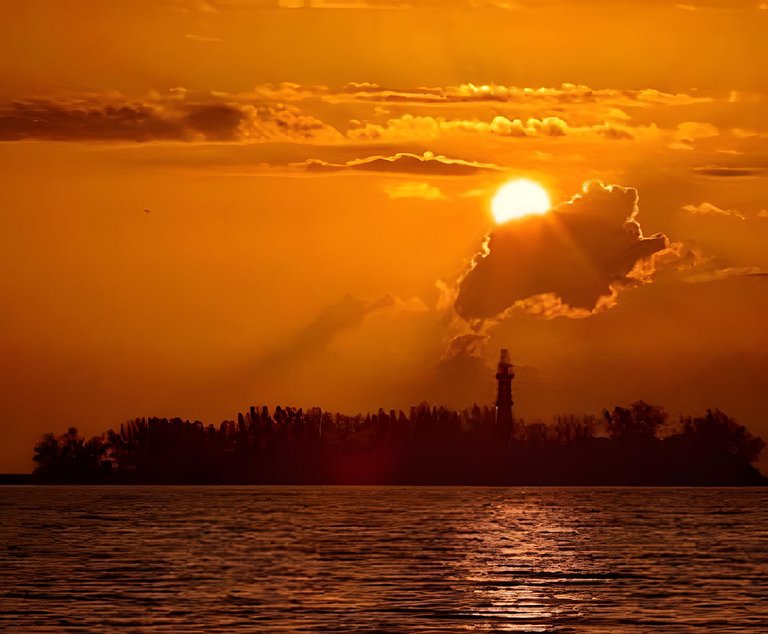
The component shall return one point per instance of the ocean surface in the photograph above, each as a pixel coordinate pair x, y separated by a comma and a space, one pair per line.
382, 559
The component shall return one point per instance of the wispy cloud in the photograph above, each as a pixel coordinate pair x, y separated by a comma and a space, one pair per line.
424, 191
708, 209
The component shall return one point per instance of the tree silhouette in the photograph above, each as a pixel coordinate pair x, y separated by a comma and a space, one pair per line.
70, 456
717, 432
639, 420
429, 445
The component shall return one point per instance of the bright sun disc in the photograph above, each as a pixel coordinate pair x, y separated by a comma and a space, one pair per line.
519, 198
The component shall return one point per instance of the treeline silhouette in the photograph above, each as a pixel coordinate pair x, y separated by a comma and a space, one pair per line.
635, 445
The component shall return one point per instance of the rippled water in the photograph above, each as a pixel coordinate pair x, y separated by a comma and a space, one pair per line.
313, 559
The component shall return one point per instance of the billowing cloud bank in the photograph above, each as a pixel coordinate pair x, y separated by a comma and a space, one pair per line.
355, 113
570, 262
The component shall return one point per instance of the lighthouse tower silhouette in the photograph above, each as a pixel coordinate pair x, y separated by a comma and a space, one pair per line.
504, 376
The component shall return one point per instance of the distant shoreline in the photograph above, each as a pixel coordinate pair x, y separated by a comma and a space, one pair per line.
11, 479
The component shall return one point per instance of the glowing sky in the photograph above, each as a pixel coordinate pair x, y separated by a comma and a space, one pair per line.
211, 204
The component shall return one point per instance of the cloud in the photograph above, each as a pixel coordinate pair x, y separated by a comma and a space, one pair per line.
404, 163
414, 190
408, 127
708, 209
728, 172
177, 116
689, 132
714, 273
555, 127
461, 377
288, 123
470, 344
286, 91
691, 264
333, 320
271, 113
74, 121
549, 126
571, 262
745, 133
565, 94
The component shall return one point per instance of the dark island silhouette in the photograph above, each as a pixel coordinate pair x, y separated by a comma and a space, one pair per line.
635, 445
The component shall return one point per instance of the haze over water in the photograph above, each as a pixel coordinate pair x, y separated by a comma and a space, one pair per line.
288, 559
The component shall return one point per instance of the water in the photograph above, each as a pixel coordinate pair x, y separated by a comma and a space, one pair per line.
315, 559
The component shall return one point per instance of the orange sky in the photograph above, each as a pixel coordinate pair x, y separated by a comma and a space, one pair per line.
319, 180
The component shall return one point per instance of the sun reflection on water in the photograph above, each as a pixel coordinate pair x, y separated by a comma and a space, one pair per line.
523, 566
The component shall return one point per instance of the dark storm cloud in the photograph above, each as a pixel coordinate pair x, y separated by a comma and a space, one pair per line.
67, 122
569, 262
175, 117
404, 163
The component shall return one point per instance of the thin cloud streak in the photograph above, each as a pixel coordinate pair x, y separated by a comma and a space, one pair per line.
403, 163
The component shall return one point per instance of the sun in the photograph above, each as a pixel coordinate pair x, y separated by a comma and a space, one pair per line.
518, 198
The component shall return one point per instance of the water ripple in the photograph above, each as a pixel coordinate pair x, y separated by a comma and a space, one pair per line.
336, 559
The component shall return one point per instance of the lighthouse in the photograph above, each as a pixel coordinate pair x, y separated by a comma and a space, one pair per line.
504, 376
